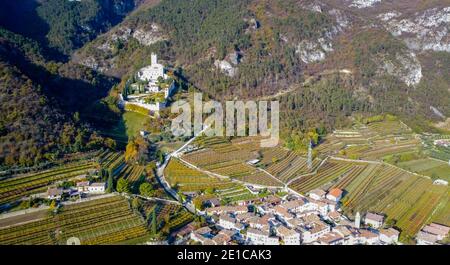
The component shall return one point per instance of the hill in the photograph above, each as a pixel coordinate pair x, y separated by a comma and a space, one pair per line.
258, 48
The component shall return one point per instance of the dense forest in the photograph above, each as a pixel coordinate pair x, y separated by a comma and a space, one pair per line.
42, 104
63, 26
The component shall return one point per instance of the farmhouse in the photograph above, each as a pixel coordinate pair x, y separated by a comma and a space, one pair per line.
97, 187
82, 186
374, 220
54, 193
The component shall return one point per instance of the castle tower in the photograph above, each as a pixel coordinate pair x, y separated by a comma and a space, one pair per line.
154, 58
357, 220
310, 155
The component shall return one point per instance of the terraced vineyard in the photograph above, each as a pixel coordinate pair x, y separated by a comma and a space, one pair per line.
330, 171
234, 193
174, 216
406, 198
103, 221
15, 187
291, 166
227, 158
187, 179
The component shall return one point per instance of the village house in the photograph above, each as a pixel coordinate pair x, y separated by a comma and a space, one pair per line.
221, 239
321, 207
374, 220
259, 237
334, 195
289, 236
98, 187
182, 236
227, 222
423, 238
441, 231
257, 222
295, 206
244, 217
283, 215
82, 186
317, 194
367, 237
334, 216
310, 232
213, 202
202, 235
349, 234
389, 236
227, 209
331, 238
94, 188
432, 233
54, 193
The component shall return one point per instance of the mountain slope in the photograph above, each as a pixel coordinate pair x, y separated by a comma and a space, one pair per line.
63, 25
257, 48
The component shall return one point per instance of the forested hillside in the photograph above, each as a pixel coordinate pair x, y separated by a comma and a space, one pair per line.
257, 48
63, 25
42, 104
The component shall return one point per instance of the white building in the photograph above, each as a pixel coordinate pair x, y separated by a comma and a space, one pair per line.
317, 194
357, 220
259, 237
431, 233
424, 238
313, 231
374, 220
99, 187
228, 222
152, 72
83, 186
389, 236
367, 237
331, 238
289, 236
334, 195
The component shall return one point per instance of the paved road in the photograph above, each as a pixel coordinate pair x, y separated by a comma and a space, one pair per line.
162, 180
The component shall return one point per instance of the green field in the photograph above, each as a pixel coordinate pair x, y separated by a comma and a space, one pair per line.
129, 126
428, 167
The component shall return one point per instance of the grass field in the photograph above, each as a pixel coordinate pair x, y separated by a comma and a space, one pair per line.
428, 167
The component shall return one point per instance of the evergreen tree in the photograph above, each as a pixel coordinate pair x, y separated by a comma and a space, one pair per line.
110, 184
154, 228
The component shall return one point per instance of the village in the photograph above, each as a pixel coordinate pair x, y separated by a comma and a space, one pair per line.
296, 220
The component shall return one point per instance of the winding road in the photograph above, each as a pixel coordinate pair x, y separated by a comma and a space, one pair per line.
162, 180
